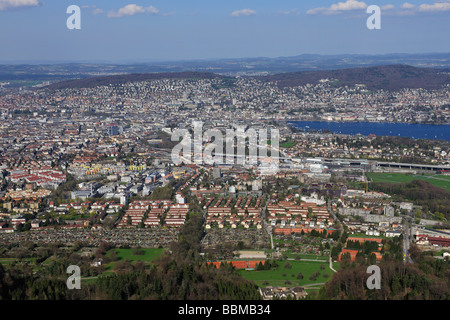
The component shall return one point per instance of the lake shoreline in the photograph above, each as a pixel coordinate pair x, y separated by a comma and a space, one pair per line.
396, 129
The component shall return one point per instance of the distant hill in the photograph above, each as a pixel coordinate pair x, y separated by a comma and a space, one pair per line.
388, 77
36, 73
125, 78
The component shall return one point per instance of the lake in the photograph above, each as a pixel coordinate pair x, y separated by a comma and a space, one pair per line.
416, 131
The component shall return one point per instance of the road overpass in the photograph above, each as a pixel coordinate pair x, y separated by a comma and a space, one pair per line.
372, 163
412, 166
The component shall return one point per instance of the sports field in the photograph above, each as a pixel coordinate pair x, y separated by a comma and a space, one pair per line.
437, 180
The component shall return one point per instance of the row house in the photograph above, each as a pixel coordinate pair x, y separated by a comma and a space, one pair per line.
176, 216
249, 210
132, 217
154, 217
233, 221
218, 211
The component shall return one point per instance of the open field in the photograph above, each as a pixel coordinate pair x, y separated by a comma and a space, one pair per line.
6, 261
437, 180
279, 276
288, 144
147, 256
252, 254
295, 256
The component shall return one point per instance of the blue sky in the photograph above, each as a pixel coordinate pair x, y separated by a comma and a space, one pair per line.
162, 30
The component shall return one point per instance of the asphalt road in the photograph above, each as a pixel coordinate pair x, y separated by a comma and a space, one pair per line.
406, 241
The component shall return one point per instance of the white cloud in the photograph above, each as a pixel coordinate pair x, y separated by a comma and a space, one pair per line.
94, 8
407, 5
348, 5
339, 7
131, 10
387, 7
437, 6
15, 4
243, 12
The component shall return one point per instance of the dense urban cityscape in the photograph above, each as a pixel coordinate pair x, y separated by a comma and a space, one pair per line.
88, 176
223, 158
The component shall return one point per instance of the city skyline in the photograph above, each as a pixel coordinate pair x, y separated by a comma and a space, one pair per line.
144, 31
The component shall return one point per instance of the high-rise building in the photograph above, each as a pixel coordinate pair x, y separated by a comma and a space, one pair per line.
113, 130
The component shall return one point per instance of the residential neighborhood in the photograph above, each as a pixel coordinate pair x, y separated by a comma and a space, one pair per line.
93, 168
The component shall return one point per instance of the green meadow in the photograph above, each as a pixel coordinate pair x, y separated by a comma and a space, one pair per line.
282, 276
437, 180
7, 261
146, 255
301, 256
288, 144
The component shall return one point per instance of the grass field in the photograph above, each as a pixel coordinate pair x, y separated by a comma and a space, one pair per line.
279, 276
294, 255
6, 261
148, 256
288, 144
437, 180
285, 144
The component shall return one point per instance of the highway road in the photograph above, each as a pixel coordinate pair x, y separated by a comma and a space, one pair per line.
336, 220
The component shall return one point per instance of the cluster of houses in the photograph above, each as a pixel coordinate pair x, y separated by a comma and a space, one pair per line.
271, 293
18, 195
427, 240
109, 207
44, 177
191, 180
222, 213
153, 213
291, 217
176, 216
372, 220
134, 215
154, 216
